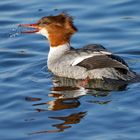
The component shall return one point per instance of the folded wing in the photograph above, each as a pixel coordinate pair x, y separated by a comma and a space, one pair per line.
104, 61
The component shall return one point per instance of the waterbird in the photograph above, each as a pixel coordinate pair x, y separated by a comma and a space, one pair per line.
92, 61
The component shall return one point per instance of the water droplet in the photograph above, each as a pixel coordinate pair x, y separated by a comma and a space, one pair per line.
15, 32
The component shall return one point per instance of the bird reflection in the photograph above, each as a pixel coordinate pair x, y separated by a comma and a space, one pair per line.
63, 98
96, 84
67, 121
66, 94
59, 104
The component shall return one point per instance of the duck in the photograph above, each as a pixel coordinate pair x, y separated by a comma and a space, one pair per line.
93, 61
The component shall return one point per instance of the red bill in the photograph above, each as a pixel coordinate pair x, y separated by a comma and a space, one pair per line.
35, 28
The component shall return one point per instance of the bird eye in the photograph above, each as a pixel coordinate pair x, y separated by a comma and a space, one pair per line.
44, 21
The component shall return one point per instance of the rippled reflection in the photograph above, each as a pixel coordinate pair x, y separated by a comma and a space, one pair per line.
67, 121
100, 85
65, 94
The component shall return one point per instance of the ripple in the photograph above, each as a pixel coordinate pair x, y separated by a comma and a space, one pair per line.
37, 105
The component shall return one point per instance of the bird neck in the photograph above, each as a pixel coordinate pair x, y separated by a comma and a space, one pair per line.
58, 39
57, 51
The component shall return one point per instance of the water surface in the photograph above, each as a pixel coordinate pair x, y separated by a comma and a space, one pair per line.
33, 108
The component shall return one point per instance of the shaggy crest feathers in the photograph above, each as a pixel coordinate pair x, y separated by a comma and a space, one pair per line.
60, 28
62, 20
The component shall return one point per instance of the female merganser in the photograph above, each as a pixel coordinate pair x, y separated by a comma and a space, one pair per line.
92, 61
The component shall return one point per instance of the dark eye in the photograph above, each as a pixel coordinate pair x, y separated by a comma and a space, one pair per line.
44, 21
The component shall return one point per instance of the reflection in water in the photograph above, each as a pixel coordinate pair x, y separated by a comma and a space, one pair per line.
71, 119
60, 104
66, 94
67, 120
100, 85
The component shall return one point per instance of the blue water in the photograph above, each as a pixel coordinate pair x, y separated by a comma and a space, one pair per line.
32, 108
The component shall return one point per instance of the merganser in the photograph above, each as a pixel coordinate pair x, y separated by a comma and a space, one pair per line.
92, 61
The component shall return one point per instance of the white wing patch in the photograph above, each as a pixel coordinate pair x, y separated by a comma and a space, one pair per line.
81, 58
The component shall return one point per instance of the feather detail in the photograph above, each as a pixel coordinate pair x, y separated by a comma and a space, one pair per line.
101, 61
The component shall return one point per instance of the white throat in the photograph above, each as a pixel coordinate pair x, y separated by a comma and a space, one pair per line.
56, 52
44, 32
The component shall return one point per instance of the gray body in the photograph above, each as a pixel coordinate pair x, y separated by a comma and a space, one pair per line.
97, 64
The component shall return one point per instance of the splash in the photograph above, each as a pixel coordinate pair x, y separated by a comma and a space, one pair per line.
19, 30
15, 32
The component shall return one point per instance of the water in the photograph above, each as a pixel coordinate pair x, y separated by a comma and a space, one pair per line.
32, 108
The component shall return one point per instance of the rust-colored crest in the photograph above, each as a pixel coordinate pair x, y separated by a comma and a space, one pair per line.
60, 28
